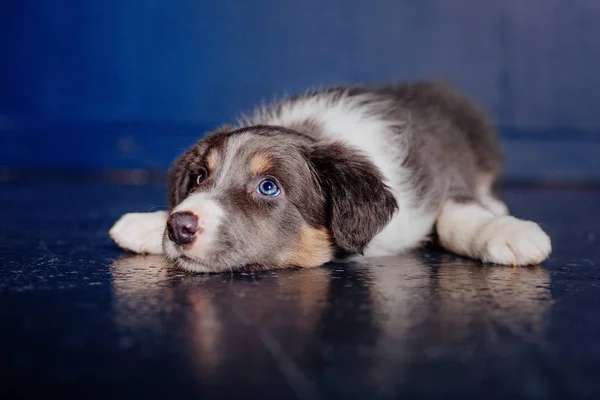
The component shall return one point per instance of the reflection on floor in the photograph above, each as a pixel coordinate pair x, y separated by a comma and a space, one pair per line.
81, 318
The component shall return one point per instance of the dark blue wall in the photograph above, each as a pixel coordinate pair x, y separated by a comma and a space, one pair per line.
124, 83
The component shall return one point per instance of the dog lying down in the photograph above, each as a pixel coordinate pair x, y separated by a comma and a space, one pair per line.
338, 173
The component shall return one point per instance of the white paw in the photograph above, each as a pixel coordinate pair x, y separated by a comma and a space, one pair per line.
511, 241
140, 232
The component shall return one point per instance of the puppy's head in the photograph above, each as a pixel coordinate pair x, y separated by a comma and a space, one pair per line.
267, 197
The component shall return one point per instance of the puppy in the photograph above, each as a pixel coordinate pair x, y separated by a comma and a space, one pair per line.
336, 173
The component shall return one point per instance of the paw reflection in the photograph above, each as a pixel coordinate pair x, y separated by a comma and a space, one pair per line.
454, 296
449, 307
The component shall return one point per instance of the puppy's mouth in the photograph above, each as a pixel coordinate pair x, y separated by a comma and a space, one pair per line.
176, 254
191, 264
184, 258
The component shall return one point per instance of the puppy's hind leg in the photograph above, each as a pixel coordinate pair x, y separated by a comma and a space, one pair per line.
140, 232
483, 189
467, 228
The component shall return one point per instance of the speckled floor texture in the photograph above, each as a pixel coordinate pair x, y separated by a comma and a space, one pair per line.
81, 319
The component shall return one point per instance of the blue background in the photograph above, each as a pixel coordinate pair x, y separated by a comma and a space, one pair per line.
121, 84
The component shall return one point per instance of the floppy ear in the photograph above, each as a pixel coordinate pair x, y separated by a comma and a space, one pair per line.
359, 203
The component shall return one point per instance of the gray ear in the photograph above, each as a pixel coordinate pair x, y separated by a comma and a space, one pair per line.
359, 203
179, 180
179, 172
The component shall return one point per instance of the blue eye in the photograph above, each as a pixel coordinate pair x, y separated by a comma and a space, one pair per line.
269, 188
201, 176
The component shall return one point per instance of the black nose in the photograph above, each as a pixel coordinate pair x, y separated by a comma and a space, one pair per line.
182, 227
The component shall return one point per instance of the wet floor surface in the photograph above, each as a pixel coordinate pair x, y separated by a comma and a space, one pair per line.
80, 318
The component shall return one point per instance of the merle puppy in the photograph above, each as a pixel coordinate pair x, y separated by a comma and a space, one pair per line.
341, 172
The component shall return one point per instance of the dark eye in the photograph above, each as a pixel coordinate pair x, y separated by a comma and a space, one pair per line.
201, 176
269, 188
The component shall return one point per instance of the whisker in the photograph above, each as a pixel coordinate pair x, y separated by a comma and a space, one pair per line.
158, 206
160, 228
151, 238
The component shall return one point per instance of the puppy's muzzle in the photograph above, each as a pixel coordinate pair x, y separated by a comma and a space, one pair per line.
183, 228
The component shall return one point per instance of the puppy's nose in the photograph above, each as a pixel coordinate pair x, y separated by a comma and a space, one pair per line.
182, 227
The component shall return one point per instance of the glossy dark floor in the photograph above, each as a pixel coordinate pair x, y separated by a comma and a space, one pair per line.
78, 317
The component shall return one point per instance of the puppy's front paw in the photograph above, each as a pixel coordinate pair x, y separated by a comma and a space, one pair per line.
511, 241
140, 232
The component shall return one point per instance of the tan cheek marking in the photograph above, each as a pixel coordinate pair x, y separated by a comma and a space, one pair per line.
314, 248
260, 164
211, 160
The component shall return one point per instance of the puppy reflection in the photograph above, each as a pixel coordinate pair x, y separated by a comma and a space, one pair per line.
221, 316
399, 309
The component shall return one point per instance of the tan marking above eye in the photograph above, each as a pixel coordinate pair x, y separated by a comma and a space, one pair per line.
260, 164
313, 248
211, 159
